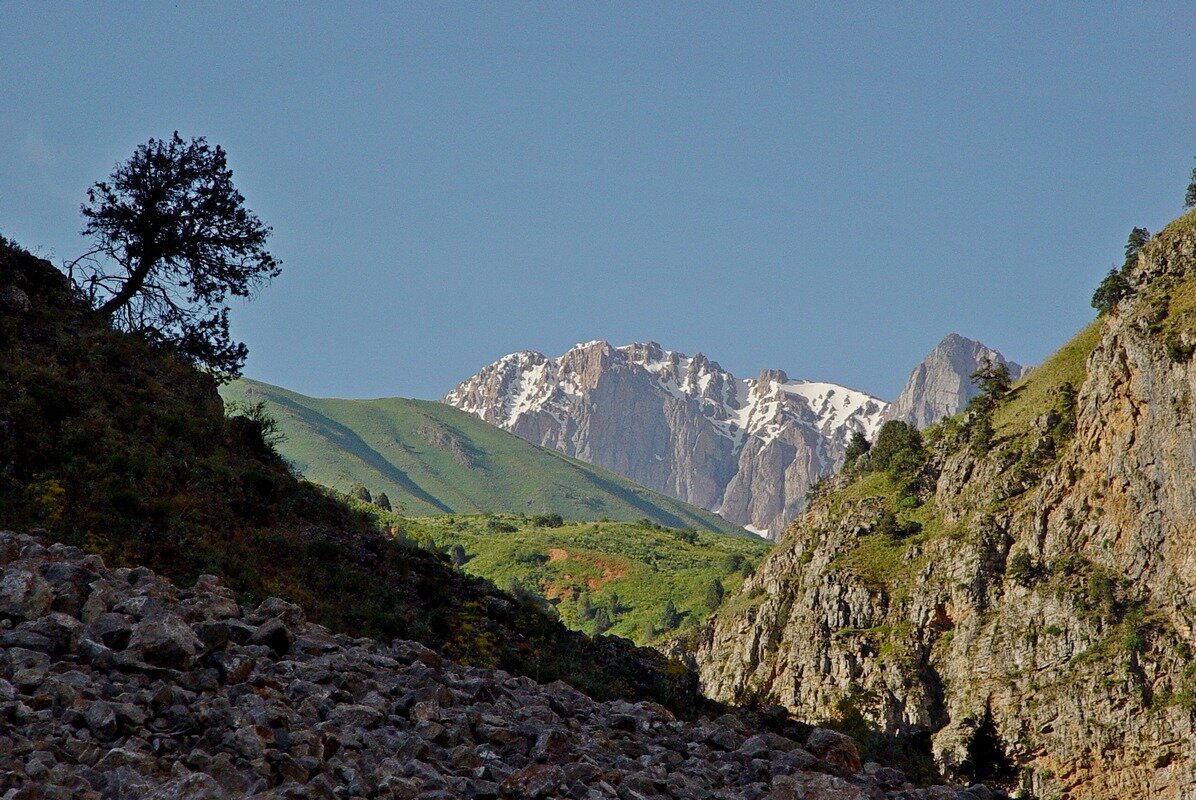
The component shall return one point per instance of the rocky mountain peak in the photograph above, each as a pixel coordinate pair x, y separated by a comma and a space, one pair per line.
940, 386
679, 424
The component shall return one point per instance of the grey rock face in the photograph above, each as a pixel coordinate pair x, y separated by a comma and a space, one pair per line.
297, 712
1055, 594
678, 424
941, 385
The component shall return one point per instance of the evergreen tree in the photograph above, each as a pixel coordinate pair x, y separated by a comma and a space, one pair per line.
714, 594
896, 444
1190, 197
177, 243
383, 502
669, 618
601, 621
616, 604
1137, 238
732, 562
1111, 290
992, 378
457, 553
855, 448
585, 609
361, 493
430, 544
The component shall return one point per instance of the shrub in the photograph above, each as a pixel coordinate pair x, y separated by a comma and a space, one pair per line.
714, 594
495, 525
547, 521
1021, 569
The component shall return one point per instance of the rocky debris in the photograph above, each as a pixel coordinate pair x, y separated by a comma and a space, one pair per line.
141, 690
941, 385
681, 425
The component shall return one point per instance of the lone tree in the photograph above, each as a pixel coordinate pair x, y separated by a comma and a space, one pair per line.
993, 380
1116, 285
714, 594
1190, 197
858, 446
179, 243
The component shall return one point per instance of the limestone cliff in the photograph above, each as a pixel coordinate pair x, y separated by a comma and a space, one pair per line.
1030, 596
940, 386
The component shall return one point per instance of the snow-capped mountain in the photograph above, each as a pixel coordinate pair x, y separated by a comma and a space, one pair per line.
682, 425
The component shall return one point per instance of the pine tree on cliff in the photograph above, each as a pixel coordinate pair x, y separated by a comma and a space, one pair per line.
173, 242
855, 448
1190, 197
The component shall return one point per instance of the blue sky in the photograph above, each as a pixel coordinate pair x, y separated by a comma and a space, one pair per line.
822, 191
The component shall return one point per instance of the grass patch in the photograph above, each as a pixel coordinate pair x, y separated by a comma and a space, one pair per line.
629, 570
1034, 394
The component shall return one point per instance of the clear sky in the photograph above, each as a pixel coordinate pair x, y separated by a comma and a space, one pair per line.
822, 191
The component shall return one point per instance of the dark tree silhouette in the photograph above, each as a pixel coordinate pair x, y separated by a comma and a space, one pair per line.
855, 448
714, 594
670, 618
173, 243
1190, 197
1137, 239
992, 378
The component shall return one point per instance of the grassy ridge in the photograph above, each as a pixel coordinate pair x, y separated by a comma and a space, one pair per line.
580, 566
430, 458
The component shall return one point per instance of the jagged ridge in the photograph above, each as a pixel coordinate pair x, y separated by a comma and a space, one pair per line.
678, 424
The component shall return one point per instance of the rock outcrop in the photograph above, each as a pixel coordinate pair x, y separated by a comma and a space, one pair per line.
115, 684
1037, 611
681, 425
940, 386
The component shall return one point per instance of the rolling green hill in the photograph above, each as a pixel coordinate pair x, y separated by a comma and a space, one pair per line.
602, 577
430, 458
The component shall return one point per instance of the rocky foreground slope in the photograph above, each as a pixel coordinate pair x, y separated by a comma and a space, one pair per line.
1030, 598
678, 424
116, 684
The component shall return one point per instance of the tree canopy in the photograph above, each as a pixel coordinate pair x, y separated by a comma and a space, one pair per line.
173, 243
1190, 197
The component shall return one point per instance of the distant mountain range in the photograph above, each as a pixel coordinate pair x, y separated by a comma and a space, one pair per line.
682, 425
429, 458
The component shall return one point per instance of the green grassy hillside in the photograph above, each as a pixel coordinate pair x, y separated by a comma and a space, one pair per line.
621, 572
430, 458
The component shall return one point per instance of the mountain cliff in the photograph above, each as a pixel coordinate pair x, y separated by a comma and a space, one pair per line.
681, 425
1024, 592
940, 386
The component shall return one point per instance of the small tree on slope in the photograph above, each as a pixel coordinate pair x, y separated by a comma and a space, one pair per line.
1190, 197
